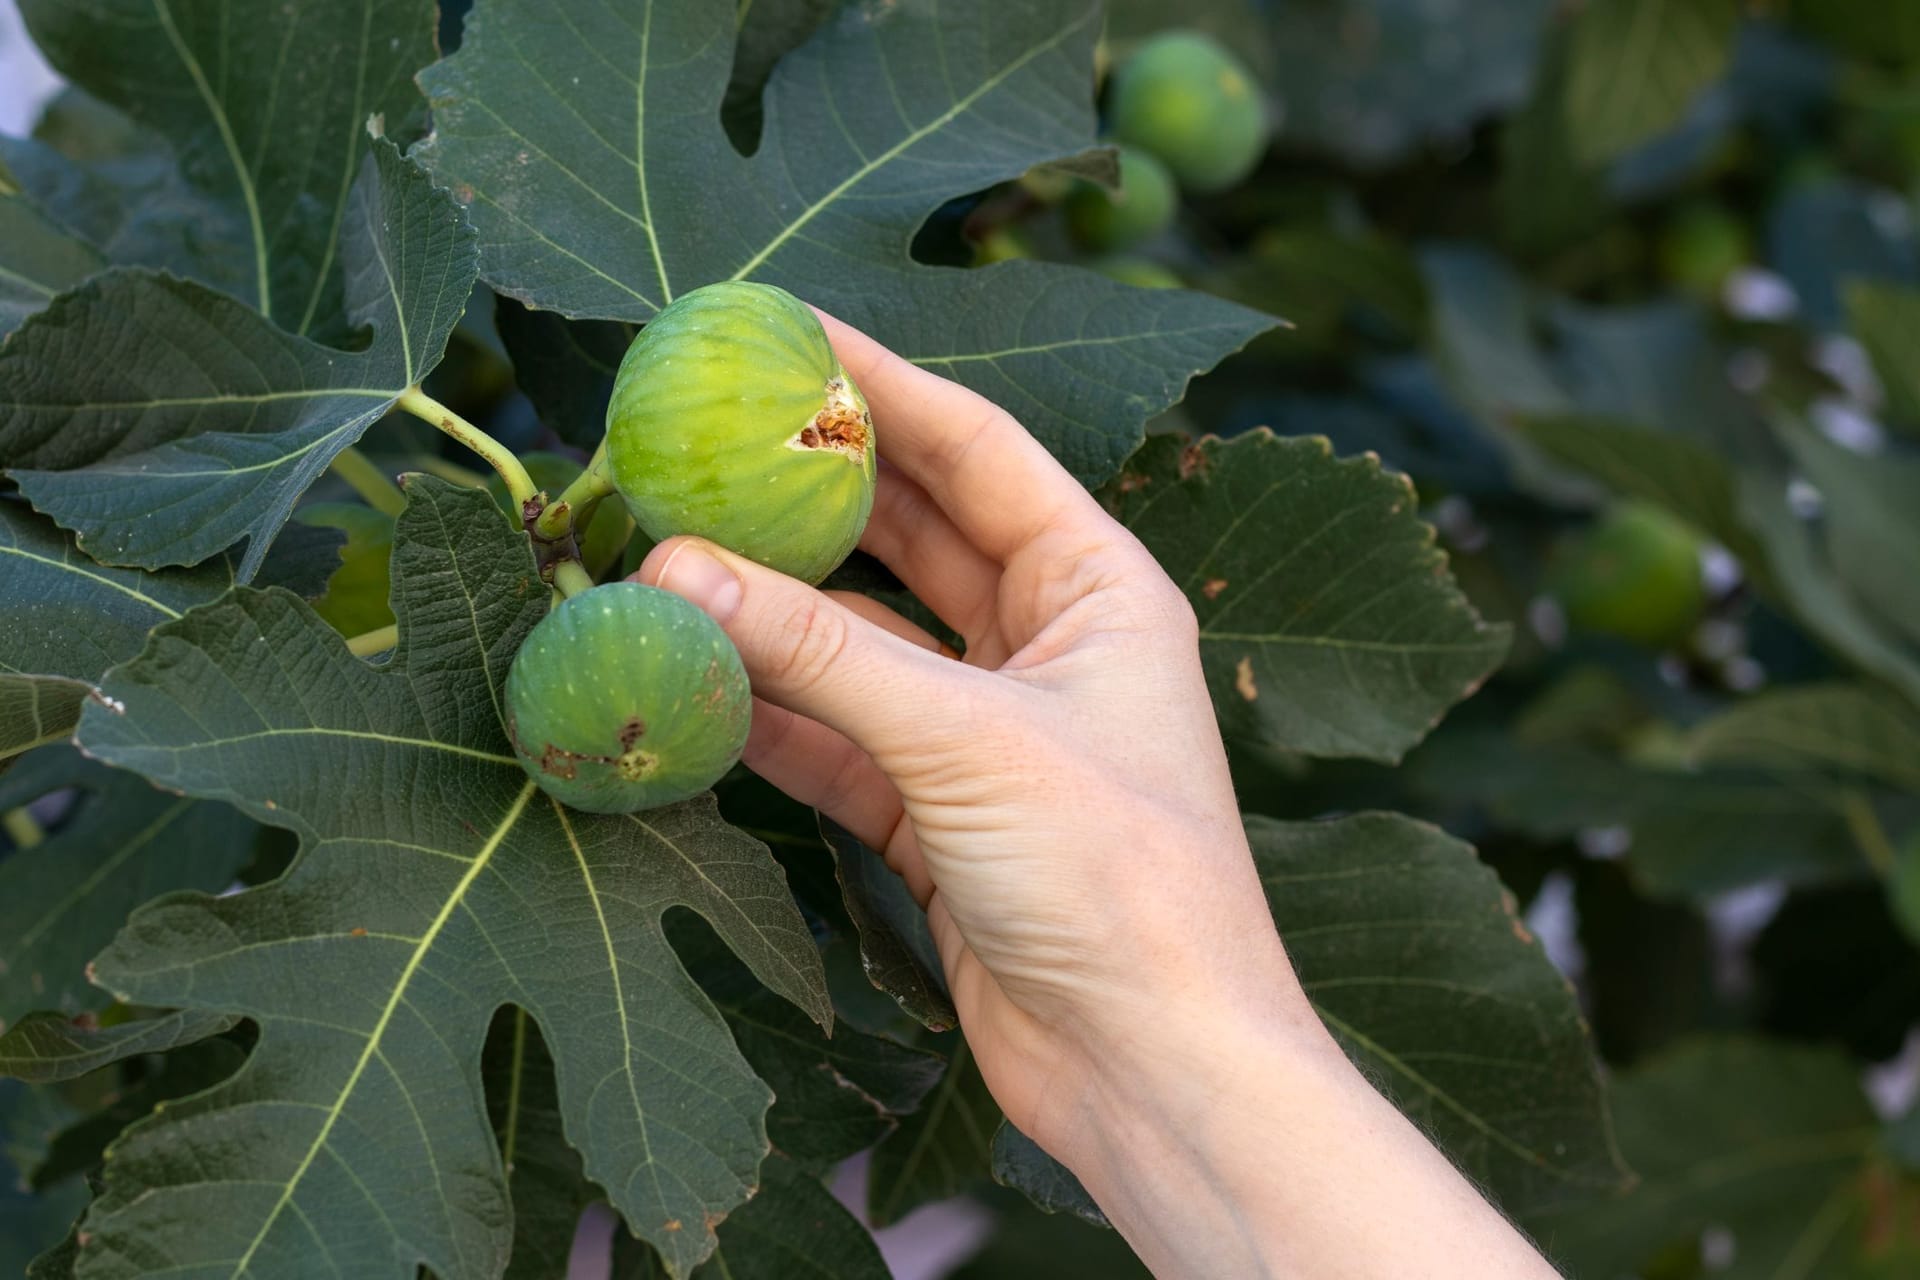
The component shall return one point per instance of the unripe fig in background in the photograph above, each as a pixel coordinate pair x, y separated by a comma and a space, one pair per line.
1190, 102
732, 419
626, 697
1142, 208
1635, 574
1703, 244
1002, 244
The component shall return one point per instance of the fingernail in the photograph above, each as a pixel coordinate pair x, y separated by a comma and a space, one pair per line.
700, 578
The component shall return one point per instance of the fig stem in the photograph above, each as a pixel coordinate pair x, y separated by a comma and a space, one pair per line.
588, 487
520, 485
452, 472
379, 640
571, 577
1863, 824
375, 487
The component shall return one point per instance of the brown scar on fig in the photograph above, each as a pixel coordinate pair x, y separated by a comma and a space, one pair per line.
842, 425
631, 732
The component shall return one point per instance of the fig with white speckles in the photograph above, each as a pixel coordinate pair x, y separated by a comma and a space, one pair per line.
626, 697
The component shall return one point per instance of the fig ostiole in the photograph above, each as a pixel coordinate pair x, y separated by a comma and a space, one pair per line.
626, 697
732, 419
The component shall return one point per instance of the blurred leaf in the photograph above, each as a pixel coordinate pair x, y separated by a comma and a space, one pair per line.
355, 601
188, 71
1415, 958
1338, 631
69, 619
1693, 834
1754, 1139
1814, 590
63, 900
941, 1150
1325, 282
1870, 515
37, 260
1027, 1243
31, 1223
81, 1147
455, 890
768, 31
1868, 29
1649, 972
614, 222
1683, 476
896, 948
1886, 319
1824, 233
1546, 197
1019, 1162
1833, 966
1371, 79
566, 367
164, 422
46, 1047
1634, 66
1851, 729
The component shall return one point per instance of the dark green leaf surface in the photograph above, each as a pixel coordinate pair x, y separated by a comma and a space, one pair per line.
1337, 630
615, 220
68, 619
46, 1047
1412, 954
1019, 1162
1855, 730
544, 1177
1755, 1139
79, 1148
1871, 521
268, 118
896, 947
941, 1150
31, 1223
61, 901
566, 367
434, 885
1636, 65
163, 422
1886, 319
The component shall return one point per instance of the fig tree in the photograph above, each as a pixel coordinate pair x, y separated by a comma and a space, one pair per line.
1635, 574
1142, 208
732, 419
626, 697
1190, 102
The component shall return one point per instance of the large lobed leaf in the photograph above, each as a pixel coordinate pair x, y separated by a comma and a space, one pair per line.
163, 421
1329, 624
267, 118
587, 140
1411, 953
435, 884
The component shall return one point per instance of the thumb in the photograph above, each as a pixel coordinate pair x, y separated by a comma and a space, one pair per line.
804, 650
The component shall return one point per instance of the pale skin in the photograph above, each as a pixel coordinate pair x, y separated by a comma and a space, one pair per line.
1060, 804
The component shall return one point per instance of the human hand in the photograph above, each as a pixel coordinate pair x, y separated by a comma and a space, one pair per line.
1059, 802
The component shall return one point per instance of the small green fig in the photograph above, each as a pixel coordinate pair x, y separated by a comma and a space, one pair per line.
732, 419
1635, 574
1142, 208
1190, 102
626, 697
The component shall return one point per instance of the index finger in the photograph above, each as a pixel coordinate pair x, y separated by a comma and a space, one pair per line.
999, 485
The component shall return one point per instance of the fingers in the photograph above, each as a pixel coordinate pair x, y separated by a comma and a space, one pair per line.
822, 770
811, 654
886, 619
1000, 486
912, 536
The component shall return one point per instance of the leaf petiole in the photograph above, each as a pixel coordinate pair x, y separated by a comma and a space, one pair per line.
21, 828
379, 640
502, 459
571, 577
375, 487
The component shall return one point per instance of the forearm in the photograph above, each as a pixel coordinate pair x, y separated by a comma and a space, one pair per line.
1258, 1151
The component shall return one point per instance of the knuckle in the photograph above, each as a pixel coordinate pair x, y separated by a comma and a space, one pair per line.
812, 642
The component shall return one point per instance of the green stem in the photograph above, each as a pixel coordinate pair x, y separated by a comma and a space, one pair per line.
585, 489
379, 640
1864, 825
502, 459
572, 578
21, 828
375, 487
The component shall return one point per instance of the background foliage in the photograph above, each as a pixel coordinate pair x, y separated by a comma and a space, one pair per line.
299, 975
